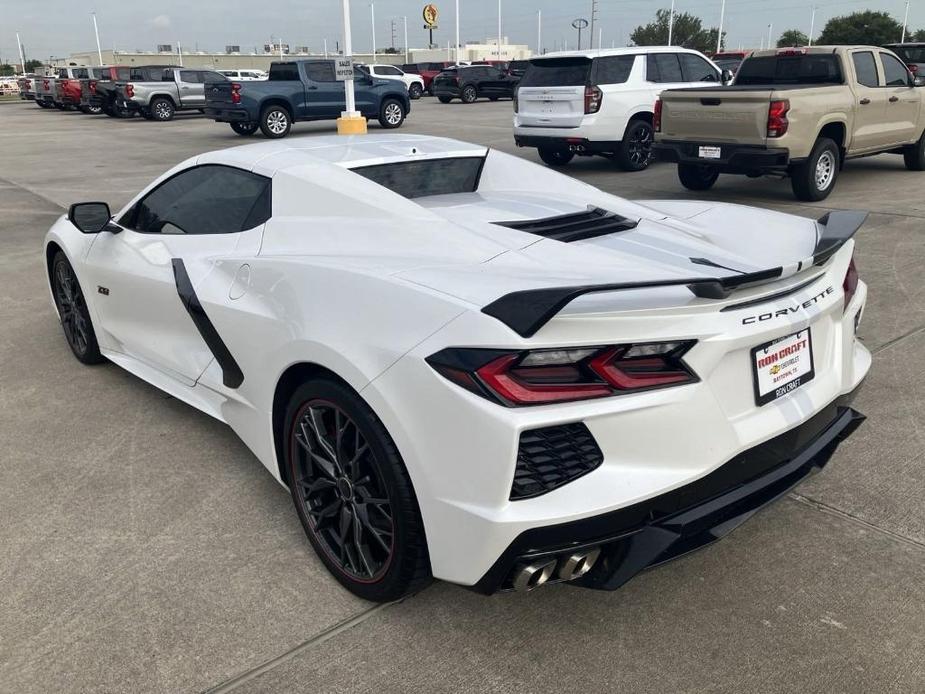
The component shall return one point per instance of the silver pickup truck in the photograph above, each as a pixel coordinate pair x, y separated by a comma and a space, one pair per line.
178, 89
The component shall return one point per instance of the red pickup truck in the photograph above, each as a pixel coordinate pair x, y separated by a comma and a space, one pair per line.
69, 85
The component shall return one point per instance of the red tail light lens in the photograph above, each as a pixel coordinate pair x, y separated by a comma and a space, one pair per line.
235, 93
130, 90
538, 377
850, 285
93, 86
657, 116
593, 98
777, 118
913, 68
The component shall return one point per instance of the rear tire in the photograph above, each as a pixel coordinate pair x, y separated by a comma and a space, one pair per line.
275, 122
555, 157
914, 155
444, 99
469, 94
162, 109
415, 91
73, 312
697, 176
813, 179
635, 150
391, 114
244, 129
358, 510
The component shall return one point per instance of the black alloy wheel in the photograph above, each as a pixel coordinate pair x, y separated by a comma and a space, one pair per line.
72, 308
469, 94
635, 151
415, 91
353, 494
244, 128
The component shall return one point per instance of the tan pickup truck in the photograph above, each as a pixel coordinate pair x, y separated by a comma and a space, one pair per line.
798, 112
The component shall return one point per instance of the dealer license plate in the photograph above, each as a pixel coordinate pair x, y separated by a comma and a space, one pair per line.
783, 365
709, 152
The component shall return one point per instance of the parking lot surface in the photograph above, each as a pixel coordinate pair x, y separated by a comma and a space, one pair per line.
144, 549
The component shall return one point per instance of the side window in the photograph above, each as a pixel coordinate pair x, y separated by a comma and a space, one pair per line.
895, 73
62, 73
190, 76
388, 70
696, 69
81, 73
211, 199
667, 68
123, 73
613, 69
209, 76
866, 68
168, 76
284, 72
320, 72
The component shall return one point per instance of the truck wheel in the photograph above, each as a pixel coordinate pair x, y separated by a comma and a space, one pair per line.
94, 110
415, 91
469, 94
697, 176
275, 122
146, 114
444, 99
635, 150
244, 129
556, 157
814, 179
914, 155
392, 113
162, 109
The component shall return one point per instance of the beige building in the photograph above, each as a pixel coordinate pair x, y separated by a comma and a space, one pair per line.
471, 52
216, 61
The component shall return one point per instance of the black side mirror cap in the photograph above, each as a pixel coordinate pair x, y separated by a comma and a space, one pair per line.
726, 76
918, 81
91, 217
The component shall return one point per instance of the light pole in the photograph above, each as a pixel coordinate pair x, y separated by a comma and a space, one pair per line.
457, 32
325, 48
670, 22
770, 27
579, 24
22, 58
406, 39
499, 29
812, 26
539, 32
372, 14
180, 53
350, 121
905, 20
99, 51
722, 16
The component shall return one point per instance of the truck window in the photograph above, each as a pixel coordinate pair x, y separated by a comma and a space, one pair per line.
416, 179
866, 68
123, 73
809, 68
614, 69
388, 70
284, 72
663, 68
320, 72
410, 67
895, 74
696, 69
190, 76
557, 72
911, 54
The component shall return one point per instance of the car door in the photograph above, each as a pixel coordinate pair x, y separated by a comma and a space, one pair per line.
697, 71
170, 243
492, 83
191, 89
871, 98
326, 97
663, 71
901, 112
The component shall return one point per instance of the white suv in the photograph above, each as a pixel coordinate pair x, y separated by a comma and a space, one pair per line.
600, 102
414, 83
244, 75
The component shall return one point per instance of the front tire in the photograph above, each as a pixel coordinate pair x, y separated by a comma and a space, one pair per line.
244, 129
813, 179
415, 91
162, 109
635, 150
555, 157
275, 122
914, 155
444, 99
391, 114
73, 312
697, 176
353, 494
469, 94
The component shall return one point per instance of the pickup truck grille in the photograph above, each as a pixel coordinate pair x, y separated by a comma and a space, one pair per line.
575, 227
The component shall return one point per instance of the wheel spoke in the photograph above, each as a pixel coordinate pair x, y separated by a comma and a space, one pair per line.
358, 543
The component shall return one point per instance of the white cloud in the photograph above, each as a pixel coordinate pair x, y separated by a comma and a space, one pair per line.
162, 21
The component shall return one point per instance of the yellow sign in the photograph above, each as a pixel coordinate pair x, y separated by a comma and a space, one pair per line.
430, 15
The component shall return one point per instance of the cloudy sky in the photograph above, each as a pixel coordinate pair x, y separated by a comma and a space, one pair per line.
59, 27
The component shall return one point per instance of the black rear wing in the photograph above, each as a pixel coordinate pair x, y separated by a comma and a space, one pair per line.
528, 310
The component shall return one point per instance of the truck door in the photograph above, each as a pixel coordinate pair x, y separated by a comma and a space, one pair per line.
870, 102
190, 89
901, 113
323, 93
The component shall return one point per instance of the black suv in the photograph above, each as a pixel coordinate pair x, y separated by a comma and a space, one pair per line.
469, 82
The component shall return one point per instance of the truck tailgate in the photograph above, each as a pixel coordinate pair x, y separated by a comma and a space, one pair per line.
716, 115
218, 94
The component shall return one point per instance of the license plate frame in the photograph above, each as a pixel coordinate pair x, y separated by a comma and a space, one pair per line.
709, 152
801, 376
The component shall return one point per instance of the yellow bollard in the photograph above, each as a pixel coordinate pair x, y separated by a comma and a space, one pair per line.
351, 125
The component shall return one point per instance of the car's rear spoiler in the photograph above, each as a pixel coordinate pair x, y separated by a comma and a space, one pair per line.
526, 311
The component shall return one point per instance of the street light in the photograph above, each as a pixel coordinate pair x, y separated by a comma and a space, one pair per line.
580, 24
350, 121
96, 30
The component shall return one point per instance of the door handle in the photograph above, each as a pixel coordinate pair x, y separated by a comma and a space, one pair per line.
313, 87
864, 101
894, 99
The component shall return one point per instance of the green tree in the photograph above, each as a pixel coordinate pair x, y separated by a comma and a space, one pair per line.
33, 65
792, 37
6, 70
866, 28
687, 31
918, 37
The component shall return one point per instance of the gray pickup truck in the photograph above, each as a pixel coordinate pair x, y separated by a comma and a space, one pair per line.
178, 89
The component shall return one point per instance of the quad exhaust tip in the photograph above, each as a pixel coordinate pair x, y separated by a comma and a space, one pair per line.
567, 567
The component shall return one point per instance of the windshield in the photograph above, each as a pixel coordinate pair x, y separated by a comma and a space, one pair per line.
557, 72
790, 69
910, 54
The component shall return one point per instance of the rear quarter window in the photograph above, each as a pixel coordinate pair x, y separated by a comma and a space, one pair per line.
417, 179
557, 72
614, 69
284, 72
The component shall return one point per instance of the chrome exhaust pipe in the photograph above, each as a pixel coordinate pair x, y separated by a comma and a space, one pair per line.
530, 576
577, 564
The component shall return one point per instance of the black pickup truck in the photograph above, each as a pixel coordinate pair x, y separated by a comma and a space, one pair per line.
300, 90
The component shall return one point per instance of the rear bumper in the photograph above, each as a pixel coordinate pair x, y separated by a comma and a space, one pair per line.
741, 159
685, 519
228, 115
579, 145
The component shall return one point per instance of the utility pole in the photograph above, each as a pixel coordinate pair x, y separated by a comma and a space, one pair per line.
499, 29
670, 22
99, 51
539, 32
22, 57
593, 19
457, 32
325, 48
722, 16
180, 53
770, 26
393, 35
372, 13
406, 39
812, 26
905, 20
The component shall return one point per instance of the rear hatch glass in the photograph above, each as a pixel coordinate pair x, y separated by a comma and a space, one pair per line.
552, 93
416, 179
790, 69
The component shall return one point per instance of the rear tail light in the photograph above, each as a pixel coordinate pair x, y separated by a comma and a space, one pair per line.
657, 116
850, 285
92, 86
913, 68
593, 98
777, 118
130, 90
538, 377
235, 93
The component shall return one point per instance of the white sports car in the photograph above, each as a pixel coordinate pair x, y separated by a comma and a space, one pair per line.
468, 366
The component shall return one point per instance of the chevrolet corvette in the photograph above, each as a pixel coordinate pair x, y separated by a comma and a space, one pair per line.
469, 367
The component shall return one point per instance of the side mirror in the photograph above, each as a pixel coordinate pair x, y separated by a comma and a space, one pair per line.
918, 81
726, 76
91, 217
